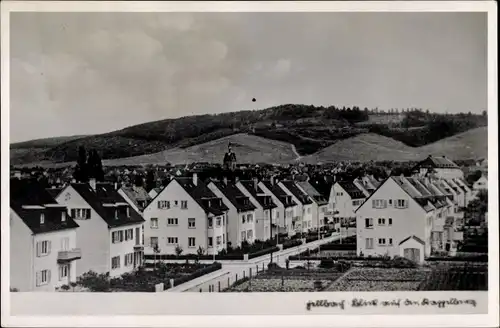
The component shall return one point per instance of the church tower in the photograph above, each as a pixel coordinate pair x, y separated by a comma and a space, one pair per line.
230, 159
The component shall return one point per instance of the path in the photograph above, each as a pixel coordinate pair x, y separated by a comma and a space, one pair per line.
296, 153
234, 270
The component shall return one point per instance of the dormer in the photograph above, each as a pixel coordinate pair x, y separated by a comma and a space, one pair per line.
42, 218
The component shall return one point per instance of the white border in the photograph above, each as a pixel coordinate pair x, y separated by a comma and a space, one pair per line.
287, 299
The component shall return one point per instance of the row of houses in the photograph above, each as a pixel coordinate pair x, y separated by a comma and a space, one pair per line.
56, 235
212, 215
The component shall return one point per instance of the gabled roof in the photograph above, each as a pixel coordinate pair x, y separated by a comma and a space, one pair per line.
105, 193
136, 195
322, 186
412, 237
422, 189
351, 189
279, 193
258, 194
235, 196
24, 193
309, 189
437, 162
54, 192
299, 194
208, 201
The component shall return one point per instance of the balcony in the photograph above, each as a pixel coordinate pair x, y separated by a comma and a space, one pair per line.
458, 235
138, 247
69, 255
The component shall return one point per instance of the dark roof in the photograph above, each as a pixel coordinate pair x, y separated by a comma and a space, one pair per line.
437, 162
414, 237
54, 192
313, 193
136, 195
280, 194
30, 192
105, 193
353, 191
322, 186
265, 201
203, 196
299, 194
235, 196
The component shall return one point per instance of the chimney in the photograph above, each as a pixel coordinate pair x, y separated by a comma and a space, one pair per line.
195, 179
116, 185
236, 179
271, 180
255, 183
92, 183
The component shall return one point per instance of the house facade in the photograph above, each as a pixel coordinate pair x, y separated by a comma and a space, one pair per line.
479, 185
441, 167
44, 254
188, 215
286, 209
345, 199
266, 210
304, 220
110, 232
319, 204
241, 215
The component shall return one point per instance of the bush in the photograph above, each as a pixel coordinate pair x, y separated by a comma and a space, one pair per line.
402, 262
292, 243
273, 266
198, 273
263, 252
95, 282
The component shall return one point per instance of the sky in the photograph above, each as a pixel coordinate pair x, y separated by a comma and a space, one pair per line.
87, 73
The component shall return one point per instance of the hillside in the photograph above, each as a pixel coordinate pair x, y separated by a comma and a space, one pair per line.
368, 147
309, 128
248, 149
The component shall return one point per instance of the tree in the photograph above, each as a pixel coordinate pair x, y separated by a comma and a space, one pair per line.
138, 182
484, 113
150, 181
81, 169
94, 165
178, 250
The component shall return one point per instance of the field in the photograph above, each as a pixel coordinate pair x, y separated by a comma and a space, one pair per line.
456, 277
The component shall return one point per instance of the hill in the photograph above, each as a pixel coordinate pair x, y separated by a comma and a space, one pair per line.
248, 149
309, 128
373, 147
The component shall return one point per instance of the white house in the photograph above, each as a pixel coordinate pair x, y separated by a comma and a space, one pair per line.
43, 251
345, 198
319, 204
241, 215
404, 217
441, 167
266, 210
110, 232
186, 213
480, 184
287, 209
304, 222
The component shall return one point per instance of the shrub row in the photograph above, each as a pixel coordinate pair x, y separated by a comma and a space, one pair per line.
292, 243
338, 247
478, 258
193, 257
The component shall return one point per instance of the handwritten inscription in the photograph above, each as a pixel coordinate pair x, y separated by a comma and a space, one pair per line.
362, 303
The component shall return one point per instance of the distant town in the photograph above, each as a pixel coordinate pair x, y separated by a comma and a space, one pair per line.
236, 227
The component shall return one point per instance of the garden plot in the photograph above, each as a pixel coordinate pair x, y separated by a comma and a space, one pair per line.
375, 279
278, 285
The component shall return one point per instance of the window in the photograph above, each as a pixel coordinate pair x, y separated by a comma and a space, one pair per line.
42, 277
163, 204
223, 239
42, 218
191, 242
218, 221
249, 234
381, 221
172, 240
402, 203
390, 221
65, 244
369, 243
115, 262
154, 223
121, 235
129, 259
176, 203
115, 237
390, 201
379, 203
250, 217
308, 210
80, 213
368, 223
129, 234
210, 242
390, 241
381, 241
243, 236
243, 219
172, 221
277, 214
154, 242
191, 223
63, 271
184, 204
210, 222
43, 248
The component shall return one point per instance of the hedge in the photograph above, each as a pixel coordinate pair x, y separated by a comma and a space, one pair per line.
193, 257
292, 243
338, 247
349, 258
478, 258
263, 252
198, 273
